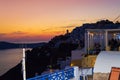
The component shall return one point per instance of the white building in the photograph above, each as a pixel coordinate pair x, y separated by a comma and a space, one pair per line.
104, 63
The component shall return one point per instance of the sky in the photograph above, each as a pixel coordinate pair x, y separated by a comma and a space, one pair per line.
41, 20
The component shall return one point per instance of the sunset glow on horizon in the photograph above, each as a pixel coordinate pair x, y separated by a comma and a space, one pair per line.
40, 20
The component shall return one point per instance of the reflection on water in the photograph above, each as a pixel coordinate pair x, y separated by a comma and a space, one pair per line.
9, 58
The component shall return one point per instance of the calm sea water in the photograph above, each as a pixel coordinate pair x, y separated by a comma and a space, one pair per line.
9, 58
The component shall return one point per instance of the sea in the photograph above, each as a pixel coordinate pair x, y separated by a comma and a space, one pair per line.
9, 58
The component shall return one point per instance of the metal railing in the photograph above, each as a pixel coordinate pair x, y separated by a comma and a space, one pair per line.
66, 74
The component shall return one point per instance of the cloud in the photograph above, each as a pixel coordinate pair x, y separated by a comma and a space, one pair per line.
46, 29
67, 27
30, 39
18, 32
11, 35
2, 34
20, 36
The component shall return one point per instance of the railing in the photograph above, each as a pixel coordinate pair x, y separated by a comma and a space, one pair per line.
66, 74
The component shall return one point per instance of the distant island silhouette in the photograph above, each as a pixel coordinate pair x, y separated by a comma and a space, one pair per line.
8, 45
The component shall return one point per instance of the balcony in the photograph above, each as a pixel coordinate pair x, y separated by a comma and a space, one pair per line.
67, 74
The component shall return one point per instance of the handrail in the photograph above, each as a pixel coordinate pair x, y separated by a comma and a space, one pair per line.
66, 74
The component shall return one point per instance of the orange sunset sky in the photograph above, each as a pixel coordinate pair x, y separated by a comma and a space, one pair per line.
40, 20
